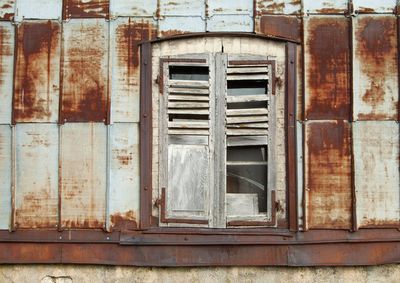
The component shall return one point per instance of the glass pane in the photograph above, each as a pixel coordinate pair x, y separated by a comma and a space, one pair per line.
247, 153
191, 73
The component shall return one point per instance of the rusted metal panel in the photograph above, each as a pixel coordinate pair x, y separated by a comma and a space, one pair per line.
183, 8
36, 188
6, 70
5, 176
374, 6
37, 74
138, 8
328, 174
7, 10
85, 9
223, 15
38, 9
83, 175
85, 71
179, 25
124, 183
375, 77
280, 26
327, 64
125, 35
325, 6
264, 7
377, 181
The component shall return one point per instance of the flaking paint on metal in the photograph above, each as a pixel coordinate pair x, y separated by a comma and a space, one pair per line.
128, 8
36, 189
375, 77
377, 181
327, 64
83, 175
230, 23
173, 25
7, 32
5, 176
125, 35
325, 6
85, 71
38, 9
279, 26
264, 7
226, 7
37, 74
124, 176
185, 8
7, 10
374, 6
328, 174
85, 9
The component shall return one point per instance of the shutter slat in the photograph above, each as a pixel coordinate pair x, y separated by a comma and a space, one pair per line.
246, 119
188, 104
246, 98
247, 132
188, 98
188, 90
189, 84
247, 112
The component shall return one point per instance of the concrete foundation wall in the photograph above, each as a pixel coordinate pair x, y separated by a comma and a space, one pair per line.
99, 274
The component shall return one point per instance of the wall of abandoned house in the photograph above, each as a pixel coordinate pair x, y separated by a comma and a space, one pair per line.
69, 115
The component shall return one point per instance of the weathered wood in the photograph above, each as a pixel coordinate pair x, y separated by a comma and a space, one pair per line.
247, 140
247, 112
248, 132
241, 204
188, 97
189, 125
188, 104
189, 84
249, 125
241, 163
246, 119
184, 139
188, 90
247, 70
247, 77
189, 111
246, 98
198, 132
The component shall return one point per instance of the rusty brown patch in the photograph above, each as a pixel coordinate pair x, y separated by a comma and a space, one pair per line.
172, 32
327, 70
281, 26
86, 9
83, 224
35, 75
5, 51
377, 55
123, 221
84, 94
330, 11
328, 175
366, 10
7, 10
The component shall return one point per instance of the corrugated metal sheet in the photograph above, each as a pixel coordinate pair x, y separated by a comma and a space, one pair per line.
124, 171
278, 7
374, 6
85, 9
6, 70
7, 9
125, 34
377, 181
37, 75
325, 6
375, 67
230, 15
36, 204
38, 9
83, 175
5, 176
328, 174
138, 8
327, 63
85, 71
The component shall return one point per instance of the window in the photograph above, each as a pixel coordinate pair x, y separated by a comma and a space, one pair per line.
216, 127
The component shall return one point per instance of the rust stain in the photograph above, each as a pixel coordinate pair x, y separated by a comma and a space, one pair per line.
5, 51
7, 10
275, 7
366, 10
330, 11
85, 9
83, 224
172, 32
123, 221
377, 56
84, 95
35, 76
123, 156
327, 71
328, 174
281, 26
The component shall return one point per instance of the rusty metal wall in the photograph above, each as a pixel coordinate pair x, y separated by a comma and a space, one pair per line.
69, 80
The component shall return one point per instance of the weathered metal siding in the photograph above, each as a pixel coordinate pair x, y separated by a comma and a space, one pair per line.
36, 188
225, 15
38, 9
7, 9
328, 174
277, 7
375, 67
85, 9
373, 6
377, 182
37, 75
6, 71
125, 35
5, 176
85, 71
325, 6
327, 63
83, 175
138, 8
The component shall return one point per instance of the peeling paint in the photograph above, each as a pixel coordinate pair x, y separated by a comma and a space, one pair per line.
85, 9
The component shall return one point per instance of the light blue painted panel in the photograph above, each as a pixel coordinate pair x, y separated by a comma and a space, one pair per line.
5, 176
7, 70
137, 8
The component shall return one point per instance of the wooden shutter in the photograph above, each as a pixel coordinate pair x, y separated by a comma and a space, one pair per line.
185, 165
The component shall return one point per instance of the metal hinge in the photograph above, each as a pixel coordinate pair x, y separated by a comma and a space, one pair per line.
157, 202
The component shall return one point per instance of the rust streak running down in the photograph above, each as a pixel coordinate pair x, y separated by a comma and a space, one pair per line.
328, 175
85, 9
327, 64
36, 90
